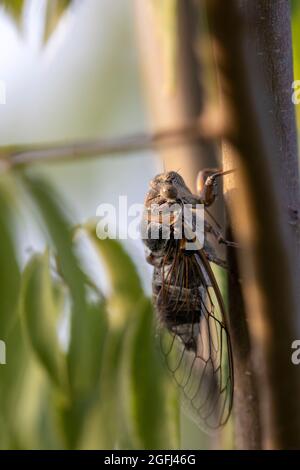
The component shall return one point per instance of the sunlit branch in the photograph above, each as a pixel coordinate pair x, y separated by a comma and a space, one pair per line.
61, 152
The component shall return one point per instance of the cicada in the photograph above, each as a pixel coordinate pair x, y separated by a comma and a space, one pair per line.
190, 310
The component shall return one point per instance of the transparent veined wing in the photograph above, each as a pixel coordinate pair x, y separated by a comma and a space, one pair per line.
194, 336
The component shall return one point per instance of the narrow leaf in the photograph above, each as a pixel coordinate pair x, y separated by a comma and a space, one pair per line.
61, 233
39, 314
9, 269
13, 8
154, 404
60, 230
121, 271
54, 11
86, 348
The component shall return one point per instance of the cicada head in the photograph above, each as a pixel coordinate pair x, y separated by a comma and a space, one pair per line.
169, 187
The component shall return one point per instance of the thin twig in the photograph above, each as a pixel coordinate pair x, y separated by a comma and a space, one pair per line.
62, 152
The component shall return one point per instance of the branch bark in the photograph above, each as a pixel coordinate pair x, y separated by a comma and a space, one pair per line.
187, 133
247, 423
172, 102
258, 218
269, 33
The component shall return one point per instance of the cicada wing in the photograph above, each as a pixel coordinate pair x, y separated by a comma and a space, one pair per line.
195, 343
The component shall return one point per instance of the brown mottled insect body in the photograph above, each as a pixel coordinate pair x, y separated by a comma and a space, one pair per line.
178, 307
188, 303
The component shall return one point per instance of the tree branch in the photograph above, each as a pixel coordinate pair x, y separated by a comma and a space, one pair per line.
174, 102
196, 130
259, 225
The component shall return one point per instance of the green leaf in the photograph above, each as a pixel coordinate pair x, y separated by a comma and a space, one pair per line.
13, 375
110, 390
14, 8
54, 11
59, 228
86, 348
39, 314
14, 372
126, 292
9, 269
121, 271
152, 396
86, 355
296, 47
88, 321
140, 402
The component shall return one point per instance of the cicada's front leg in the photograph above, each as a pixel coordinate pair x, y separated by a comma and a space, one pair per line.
207, 184
207, 189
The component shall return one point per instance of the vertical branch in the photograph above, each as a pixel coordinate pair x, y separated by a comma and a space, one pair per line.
269, 32
177, 100
258, 222
247, 425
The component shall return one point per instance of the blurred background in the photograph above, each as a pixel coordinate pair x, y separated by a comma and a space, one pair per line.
73, 73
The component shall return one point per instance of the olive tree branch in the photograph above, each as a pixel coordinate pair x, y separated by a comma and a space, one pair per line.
197, 129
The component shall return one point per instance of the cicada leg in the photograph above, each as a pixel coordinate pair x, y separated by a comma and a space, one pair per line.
207, 187
218, 235
213, 257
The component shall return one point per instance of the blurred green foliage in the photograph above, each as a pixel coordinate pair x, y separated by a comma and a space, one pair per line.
100, 384
14, 8
167, 12
54, 10
296, 46
106, 386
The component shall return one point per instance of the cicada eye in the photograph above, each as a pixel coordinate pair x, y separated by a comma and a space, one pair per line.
155, 182
170, 177
174, 178
169, 192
